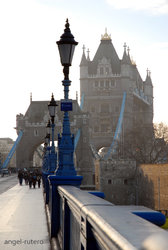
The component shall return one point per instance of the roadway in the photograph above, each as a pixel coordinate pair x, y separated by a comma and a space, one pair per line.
7, 182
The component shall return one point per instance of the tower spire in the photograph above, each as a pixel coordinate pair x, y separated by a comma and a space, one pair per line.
125, 46
83, 60
106, 36
88, 58
30, 97
125, 57
83, 49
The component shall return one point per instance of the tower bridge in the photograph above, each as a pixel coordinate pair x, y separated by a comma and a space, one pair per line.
114, 98
33, 125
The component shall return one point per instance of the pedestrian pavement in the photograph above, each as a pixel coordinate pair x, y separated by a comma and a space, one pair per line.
23, 223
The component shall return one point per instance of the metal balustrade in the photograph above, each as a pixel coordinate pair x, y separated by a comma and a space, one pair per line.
84, 221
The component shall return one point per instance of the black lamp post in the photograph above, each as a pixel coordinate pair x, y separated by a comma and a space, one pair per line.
52, 109
53, 156
66, 46
65, 173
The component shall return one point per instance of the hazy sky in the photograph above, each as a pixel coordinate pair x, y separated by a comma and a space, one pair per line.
29, 60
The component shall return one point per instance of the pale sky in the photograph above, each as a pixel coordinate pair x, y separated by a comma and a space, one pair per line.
29, 59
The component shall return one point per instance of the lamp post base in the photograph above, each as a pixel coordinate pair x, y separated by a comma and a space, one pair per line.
54, 201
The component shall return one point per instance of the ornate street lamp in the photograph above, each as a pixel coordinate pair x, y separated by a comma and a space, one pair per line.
52, 109
48, 127
66, 46
53, 156
65, 173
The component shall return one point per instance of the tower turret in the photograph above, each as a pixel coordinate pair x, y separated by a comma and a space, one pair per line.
126, 63
83, 65
148, 87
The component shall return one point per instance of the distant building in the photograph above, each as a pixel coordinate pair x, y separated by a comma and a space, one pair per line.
5, 147
152, 180
117, 179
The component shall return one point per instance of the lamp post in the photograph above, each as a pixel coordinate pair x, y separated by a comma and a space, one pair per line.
65, 173
66, 46
46, 157
53, 155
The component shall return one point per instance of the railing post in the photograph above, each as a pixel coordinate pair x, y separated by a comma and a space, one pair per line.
55, 181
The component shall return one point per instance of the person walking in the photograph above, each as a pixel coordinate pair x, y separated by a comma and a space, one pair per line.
30, 178
34, 179
39, 180
20, 177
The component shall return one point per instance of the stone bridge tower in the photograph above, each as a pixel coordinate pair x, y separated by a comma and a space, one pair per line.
33, 125
103, 81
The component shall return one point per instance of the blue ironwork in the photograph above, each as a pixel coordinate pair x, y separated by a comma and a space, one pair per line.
66, 142
154, 217
66, 105
118, 129
12, 151
82, 102
140, 94
52, 154
77, 136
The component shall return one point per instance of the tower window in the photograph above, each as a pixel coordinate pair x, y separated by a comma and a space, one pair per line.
92, 108
96, 129
104, 128
101, 71
107, 83
101, 84
36, 132
109, 181
125, 181
105, 108
96, 83
107, 71
113, 83
117, 109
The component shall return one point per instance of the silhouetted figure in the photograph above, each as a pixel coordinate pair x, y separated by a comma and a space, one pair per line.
39, 180
26, 178
34, 179
30, 180
20, 177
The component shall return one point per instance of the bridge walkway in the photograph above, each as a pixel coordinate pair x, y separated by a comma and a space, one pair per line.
23, 223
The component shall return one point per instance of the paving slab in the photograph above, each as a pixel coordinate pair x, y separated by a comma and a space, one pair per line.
23, 223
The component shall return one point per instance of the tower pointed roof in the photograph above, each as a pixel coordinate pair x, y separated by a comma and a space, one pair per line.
107, 50
84, 61
128, 56
148, 78
125, 57
88, 57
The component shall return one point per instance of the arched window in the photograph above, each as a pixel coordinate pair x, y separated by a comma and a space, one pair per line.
107, 71
101, 71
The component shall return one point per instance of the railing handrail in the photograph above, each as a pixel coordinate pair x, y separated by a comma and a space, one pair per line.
111, 226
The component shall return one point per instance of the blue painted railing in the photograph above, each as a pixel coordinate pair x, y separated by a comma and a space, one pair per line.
84, 221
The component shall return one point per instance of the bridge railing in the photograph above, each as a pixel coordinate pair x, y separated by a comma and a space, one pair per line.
84, 221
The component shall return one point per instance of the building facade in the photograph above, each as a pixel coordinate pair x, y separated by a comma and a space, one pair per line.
5, 146
153, 186
103, 83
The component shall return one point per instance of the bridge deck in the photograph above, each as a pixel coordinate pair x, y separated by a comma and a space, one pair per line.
23, 222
